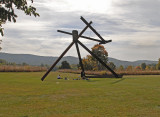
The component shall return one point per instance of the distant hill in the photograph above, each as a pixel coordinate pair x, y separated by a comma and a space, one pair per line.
133, 63
38, 60
34, 59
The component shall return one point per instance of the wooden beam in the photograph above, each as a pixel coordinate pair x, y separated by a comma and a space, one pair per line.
95, 56
75, 38
85, 37
92, 29
49, 70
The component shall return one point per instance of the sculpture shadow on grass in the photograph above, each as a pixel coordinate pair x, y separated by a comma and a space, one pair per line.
118, 81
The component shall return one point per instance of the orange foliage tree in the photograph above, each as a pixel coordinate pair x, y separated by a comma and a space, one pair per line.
91, 63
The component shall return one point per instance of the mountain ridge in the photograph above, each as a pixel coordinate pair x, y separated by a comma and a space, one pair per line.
38, 60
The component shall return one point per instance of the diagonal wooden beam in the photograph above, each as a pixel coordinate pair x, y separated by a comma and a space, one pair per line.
49, 70
92, 29
95, 56
64, 32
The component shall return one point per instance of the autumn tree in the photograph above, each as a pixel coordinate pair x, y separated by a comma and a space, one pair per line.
65, 65
91, 63
153, 67
7, 10
147, 67
129, 68
121, 68
87, 62
101, 52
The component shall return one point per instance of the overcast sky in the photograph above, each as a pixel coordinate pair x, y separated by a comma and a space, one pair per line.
133, 26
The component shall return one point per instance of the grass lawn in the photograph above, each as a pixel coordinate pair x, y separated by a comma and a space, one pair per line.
25, 95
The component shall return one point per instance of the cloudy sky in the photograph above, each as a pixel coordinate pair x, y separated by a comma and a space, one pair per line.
133, 26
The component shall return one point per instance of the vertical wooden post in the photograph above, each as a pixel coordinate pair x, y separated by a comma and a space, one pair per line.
75, 39
75, 35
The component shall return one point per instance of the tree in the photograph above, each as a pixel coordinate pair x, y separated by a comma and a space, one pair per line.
158, 65
65, 65
153, 67
3, 62
129, 68
7, 12
89, 63
24, 64
147, 67
143, 66
121, 68
42, 65
101, 52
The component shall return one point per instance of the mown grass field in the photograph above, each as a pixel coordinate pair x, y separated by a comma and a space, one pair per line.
25, 95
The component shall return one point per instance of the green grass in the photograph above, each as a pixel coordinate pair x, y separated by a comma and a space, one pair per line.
25, 95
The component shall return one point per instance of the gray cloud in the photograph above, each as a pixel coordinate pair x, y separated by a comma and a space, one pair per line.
133, 26
142, 11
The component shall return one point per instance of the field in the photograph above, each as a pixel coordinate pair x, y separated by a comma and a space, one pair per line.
25, 95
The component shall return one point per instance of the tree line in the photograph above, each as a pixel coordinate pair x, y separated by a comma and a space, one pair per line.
4, 62
90, 63
142, 67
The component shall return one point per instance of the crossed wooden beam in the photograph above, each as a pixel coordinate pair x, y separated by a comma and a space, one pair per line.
75, 41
